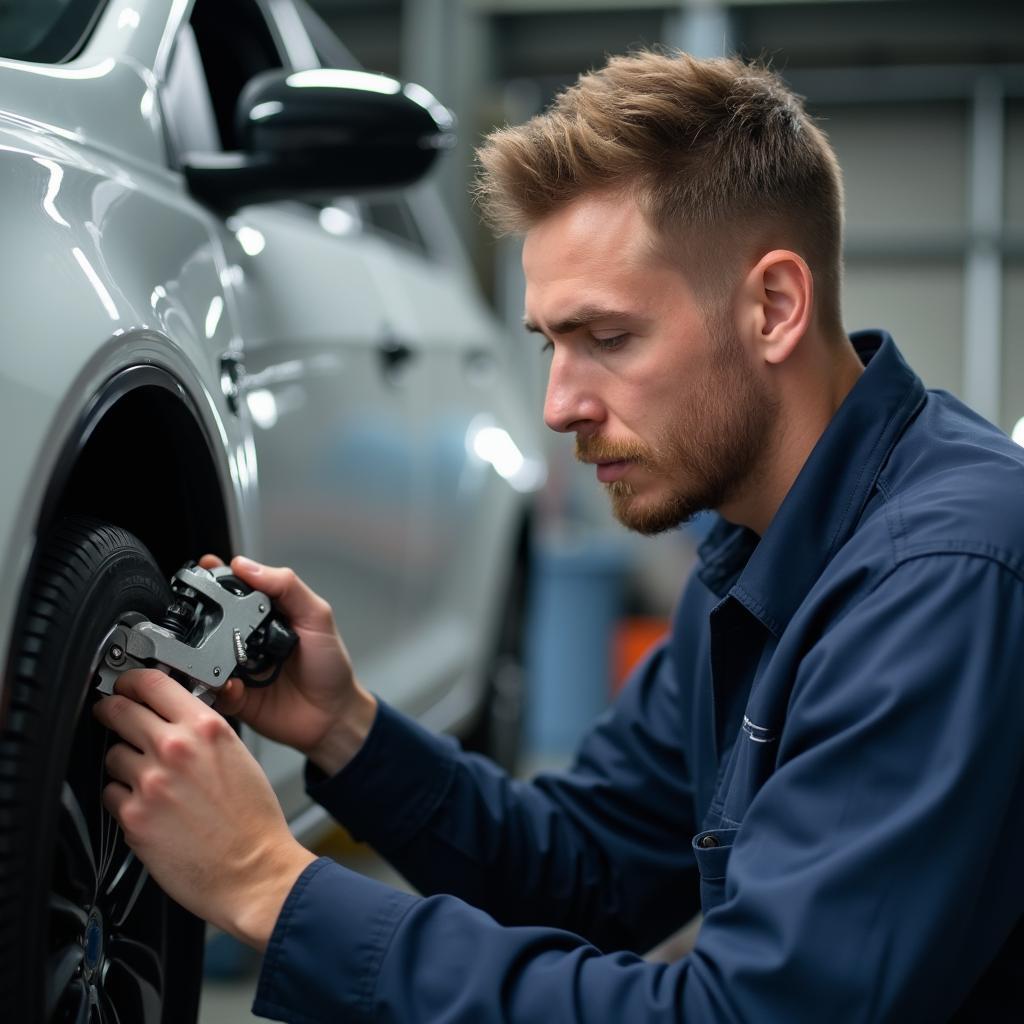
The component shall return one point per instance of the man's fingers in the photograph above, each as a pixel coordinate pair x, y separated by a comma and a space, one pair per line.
157, 690
123, 764
303, 607
131, 721
210, 562
144, 702
231, 698
114, 796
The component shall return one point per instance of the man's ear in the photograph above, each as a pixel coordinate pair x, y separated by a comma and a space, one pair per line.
778, 295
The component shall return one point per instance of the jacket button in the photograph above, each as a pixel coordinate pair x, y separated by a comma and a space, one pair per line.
708, 841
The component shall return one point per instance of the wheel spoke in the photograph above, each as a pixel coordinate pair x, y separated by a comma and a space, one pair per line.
75, 833
60, 973
137, 969
107, 1010
125, 887
77, 1008
85, 1004
68, 910
108, 831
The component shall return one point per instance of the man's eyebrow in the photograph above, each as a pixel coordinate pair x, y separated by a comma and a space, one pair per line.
583, 316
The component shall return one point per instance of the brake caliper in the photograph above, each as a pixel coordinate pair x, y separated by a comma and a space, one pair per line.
216, 627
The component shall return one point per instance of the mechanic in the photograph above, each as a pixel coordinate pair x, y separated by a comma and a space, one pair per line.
825, 755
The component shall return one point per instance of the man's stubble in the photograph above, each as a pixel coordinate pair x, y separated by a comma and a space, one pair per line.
710, 453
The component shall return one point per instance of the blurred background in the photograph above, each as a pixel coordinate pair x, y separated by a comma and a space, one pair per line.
924, 104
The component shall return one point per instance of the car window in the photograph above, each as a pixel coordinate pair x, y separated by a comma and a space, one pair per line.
391, 216
188, 109
235, 43
46, 31
330, 50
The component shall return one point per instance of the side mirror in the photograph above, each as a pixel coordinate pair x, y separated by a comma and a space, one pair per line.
322, 132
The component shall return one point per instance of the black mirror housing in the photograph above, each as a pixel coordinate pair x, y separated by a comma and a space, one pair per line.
323, 132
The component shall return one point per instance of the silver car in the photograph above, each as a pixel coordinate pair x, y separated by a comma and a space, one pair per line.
231, 323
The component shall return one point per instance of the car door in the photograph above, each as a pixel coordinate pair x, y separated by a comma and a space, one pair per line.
473, 456
331, 418
315, 365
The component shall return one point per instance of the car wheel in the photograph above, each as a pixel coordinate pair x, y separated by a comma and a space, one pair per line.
86, 937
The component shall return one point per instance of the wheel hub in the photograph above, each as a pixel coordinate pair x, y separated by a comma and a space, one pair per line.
92, 943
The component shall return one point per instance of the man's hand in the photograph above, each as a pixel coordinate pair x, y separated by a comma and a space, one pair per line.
315, 705
196, 807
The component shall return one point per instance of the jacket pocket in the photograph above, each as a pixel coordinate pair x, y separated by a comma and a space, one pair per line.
711, 850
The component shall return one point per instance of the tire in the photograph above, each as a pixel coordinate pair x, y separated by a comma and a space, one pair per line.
85, 936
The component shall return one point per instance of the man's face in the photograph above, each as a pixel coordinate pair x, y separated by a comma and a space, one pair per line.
663, 398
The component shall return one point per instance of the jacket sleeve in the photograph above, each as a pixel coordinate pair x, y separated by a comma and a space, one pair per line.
602, 850
890, 830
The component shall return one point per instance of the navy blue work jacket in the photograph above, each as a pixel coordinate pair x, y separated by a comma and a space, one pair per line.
825, 756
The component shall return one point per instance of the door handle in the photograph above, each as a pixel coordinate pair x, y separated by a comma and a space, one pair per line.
394, 356
232, 378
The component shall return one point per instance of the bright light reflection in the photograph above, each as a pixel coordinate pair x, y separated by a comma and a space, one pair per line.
337, 78
232, 275
97, 285
262, 407
52, 188
494, 445
213, 315
1018, 431
252, 472
338, 222
242, 463
146, 104
128, 18
104, 67
268, 109
251, 240
426, 99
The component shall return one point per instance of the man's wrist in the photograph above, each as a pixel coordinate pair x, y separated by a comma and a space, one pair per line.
347, 736
259, 903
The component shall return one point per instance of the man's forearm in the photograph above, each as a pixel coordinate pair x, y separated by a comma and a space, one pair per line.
557, 851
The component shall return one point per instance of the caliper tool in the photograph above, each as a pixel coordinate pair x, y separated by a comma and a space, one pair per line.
216, 627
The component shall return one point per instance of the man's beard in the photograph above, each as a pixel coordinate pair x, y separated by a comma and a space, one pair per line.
709, 453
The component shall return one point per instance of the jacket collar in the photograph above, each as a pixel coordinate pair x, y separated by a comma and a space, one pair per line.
771, 576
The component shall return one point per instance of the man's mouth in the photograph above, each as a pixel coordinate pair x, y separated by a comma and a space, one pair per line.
608, 471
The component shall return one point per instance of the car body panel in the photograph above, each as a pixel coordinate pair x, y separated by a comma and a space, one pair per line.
83, 301
369, 476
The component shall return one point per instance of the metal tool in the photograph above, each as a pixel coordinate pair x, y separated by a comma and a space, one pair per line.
216, 627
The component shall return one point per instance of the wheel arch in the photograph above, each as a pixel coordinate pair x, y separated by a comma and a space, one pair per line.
141, 459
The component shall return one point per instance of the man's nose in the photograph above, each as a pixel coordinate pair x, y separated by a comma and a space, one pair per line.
570, 403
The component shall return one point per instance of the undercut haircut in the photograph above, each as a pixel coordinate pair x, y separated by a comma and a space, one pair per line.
720, 155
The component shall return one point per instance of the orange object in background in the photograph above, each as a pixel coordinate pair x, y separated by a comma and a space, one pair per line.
634, 637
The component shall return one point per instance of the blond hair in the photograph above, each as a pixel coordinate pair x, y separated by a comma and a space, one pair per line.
719, 154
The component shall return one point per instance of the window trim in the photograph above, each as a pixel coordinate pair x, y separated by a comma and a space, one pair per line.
67, 35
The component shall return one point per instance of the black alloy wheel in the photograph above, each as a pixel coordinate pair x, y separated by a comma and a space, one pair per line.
86, 936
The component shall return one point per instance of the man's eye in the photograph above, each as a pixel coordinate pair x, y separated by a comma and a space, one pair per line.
611, 344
